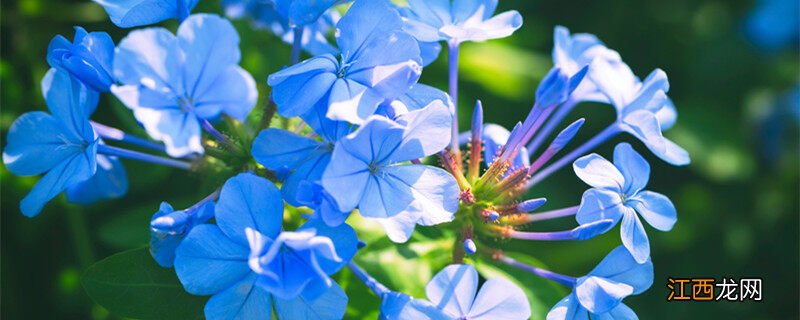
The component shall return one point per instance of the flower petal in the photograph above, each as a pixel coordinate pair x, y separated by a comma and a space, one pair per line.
365, 21
634, 237
620, 312
453, 289
426, 190
599, 295
634, 168
330, 305
620, 266
656, 209
399, 306
500, 299
242, 300
79, 167
343, 237
644, 125
568, 309
233, 92
208, 261
109, 181
36, 144
499, 26
598, 172
152, 58
427, 131
352, 101
179, 130
134, 13
275, 149
249, 201
71, 103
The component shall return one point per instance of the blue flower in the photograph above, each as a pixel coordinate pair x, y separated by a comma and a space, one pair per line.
134, 13
89, 58
173, 83
418, 97
62, 143
459, 21
379, 61
314, 196
452, 295
303, 158
573, 52
599, 294
169, 227
643, 109
774, 24
617, 193
303, 12
263, 15
429, 51
248, 264
109, 181
367, 170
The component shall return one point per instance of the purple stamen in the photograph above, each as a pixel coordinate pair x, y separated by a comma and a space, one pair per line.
551, 124
561, 140
601, 137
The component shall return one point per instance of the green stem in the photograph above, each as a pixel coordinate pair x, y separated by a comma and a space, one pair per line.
80, 235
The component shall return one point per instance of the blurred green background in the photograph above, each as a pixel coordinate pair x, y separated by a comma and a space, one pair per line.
737, 202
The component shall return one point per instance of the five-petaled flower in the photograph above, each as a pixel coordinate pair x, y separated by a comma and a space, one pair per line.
63, 145
379, 62
599, 294
249, 264
457, 21
368, 171
452, 295
618, 193
173, 84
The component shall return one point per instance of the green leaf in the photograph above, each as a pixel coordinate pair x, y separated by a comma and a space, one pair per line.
542, 294
131, 284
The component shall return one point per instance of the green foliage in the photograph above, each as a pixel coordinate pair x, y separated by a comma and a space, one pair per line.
131, 284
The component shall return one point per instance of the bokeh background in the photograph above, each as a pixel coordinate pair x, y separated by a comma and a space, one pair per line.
733, 69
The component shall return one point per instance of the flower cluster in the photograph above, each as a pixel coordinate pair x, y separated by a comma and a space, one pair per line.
363, 140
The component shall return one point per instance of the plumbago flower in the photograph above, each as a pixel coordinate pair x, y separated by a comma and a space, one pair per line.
452, 295
618, 193
262, 13
367, 171
379, 62
459, 21
63, 145
134, 13
89, 58
250, 265
304, 158
168, 227
175, 85
599, 294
